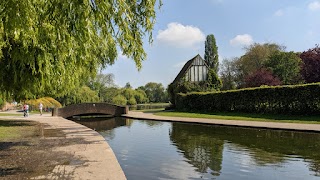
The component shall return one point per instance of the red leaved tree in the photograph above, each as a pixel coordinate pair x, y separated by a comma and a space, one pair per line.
262, 77
310, 70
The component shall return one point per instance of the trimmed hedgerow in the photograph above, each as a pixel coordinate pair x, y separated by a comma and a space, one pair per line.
295, 99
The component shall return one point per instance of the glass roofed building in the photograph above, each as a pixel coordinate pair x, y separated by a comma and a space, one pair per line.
195, 70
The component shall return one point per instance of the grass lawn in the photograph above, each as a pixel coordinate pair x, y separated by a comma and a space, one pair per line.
158, 110
13, 129
242, 116
148, 106
154, 104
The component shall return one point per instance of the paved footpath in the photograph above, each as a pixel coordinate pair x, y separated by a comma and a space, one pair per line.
98, 159
254, 124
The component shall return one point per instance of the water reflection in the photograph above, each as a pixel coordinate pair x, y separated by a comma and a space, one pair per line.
203, 145
155, 150
203, 150
99, 124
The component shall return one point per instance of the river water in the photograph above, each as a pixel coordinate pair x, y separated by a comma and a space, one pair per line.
169, 150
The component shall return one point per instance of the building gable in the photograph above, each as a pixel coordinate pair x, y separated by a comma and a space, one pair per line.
195, 70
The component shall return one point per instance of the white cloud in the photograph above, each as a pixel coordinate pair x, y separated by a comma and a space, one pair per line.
239, 40
279, 13
179, 35
315, 5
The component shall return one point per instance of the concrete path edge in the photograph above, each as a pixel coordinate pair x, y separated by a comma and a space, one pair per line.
238, 123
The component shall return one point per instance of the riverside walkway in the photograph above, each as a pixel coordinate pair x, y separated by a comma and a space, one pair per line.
239, 123
98, 159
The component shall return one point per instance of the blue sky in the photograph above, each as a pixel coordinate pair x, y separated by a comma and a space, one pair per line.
182, 26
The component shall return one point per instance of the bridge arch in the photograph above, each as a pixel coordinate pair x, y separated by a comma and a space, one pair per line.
90, 109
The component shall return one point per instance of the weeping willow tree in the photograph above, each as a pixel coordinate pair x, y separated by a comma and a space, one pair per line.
51, 46
47, 102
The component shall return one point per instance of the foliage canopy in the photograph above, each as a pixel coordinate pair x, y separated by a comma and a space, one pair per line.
254, 59
262, 77
286, 66
48, 46
211, 55
311, 65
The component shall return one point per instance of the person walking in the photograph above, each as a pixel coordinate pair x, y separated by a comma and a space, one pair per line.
25, 110
40, 108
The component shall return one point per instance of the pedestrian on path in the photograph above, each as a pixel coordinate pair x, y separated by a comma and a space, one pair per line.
25, 110
40, 108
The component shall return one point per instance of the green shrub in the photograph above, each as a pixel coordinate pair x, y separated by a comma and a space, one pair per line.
132, 101
186, 87
119, 100
1, 102
213, 81
296, 99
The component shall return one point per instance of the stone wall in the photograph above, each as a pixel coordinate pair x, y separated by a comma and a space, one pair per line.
90, 108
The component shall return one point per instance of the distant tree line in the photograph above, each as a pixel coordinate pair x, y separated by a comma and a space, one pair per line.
103, 89
269, 64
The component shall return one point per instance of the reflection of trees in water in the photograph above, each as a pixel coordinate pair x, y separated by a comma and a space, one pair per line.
260, 157
152, 123
108, 134
203, 145
315, 167
202, 151
264, 158
273, 147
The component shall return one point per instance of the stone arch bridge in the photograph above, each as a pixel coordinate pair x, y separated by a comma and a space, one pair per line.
90, 109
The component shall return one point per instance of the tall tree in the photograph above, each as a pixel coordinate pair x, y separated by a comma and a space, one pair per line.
228, 74
110, 93
213, 82
286, 66
211, 53
129, 94
253, 60
128, 86
155, 92
311, 65
79, 95
47, 47
100, 83
141, 96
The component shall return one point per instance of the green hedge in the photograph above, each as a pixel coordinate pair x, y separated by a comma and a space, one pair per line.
297, 99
